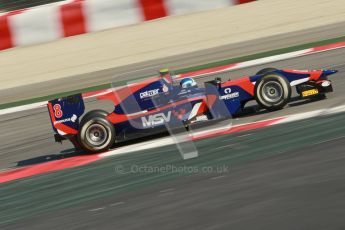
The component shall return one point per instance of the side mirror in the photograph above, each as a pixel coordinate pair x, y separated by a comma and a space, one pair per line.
216, 82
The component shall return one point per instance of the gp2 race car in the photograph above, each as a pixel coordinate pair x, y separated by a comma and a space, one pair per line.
148, 107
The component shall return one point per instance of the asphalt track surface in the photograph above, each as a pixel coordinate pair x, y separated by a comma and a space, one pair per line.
300, 188
262, 179
173, 62
26, 137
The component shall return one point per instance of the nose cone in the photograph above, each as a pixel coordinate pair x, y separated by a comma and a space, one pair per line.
330, 71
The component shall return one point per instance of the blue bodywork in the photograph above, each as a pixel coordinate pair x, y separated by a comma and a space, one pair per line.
145, 108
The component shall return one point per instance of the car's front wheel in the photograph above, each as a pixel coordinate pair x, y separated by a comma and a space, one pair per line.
272, 92
266, 71
96, 133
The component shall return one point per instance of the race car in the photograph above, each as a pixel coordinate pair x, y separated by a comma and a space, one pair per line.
149, 107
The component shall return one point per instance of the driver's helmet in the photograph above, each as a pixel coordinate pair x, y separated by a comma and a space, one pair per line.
164, 72
187, 82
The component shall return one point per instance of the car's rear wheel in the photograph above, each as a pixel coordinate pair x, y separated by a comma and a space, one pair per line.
272, 92
96, 133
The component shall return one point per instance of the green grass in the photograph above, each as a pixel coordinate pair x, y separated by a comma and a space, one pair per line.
184, 70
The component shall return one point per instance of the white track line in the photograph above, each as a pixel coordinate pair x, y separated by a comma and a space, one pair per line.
23, 108
169, 141
315, 113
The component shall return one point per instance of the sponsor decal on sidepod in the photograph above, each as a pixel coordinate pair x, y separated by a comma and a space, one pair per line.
229, 95
149, 93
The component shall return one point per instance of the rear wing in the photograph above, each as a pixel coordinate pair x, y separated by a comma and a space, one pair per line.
65, 114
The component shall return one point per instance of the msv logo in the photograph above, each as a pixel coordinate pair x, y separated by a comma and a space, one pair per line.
156, 119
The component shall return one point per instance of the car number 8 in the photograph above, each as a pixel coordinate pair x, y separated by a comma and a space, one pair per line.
57, 111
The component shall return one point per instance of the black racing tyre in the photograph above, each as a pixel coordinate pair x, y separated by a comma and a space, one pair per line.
266, 70
96, 133
272, 92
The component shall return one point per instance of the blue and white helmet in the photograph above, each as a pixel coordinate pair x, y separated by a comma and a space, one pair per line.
187, 82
